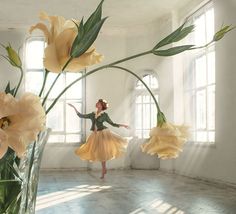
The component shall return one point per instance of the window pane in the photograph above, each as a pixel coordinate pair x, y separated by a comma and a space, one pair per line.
75, 92
154, 82
138, 116
138, 99
200, 65
190, 110
146, 79
146, 133
146, 99
73, 122
55, 118
189, 78
73, 138
34, 54
56, 138
211, 107
146, 116
201, 136
33, 81
201, 109
200, 30
139, 84
211, 67
153, 115
193, 136
210, 24
58, 87
211, 137
138, 133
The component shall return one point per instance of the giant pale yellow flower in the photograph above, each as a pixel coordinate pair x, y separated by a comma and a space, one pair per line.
20, 122
60, 37
166, 141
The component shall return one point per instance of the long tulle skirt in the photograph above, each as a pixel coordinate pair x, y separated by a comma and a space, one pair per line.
102, 146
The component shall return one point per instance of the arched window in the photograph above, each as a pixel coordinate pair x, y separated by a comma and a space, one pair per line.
145, 109
62, 118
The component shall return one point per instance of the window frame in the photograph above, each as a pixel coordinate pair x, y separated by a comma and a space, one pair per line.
62, 99
142, 92
190, 69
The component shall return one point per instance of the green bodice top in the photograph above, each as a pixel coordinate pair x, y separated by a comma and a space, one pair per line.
98, 122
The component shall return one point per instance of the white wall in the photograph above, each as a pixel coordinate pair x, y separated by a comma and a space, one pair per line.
216, 162
16, 38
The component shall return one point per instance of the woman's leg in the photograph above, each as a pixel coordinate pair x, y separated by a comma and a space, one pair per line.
104, 170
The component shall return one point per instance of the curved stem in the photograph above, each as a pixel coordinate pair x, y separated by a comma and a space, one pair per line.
44, 82
203, 46
54, 82
140, 79
93, 71
68, 61
130, 57
29, 174
21, 78
51, 87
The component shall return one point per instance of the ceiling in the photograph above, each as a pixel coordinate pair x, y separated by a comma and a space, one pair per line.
122, 13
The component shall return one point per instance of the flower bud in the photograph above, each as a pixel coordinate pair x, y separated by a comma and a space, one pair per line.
221, 33
12, 56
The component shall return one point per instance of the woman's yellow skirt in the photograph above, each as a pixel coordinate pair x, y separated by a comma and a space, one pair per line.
102, 146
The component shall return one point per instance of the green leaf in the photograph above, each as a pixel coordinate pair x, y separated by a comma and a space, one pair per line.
87, 40
94, 18
9, 194
172, 51
15, 170
175, 36
80, 34
8, 89
184, 32
88, 32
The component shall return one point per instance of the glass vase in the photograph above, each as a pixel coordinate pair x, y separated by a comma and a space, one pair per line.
29, 168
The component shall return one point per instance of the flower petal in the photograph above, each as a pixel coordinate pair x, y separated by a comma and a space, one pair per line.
3, 143
166, 141
15, 142
8, 105
50, 60
87, 59
44, 29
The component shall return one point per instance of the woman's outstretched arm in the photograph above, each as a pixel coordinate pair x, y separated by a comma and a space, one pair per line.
79, 114
108, 119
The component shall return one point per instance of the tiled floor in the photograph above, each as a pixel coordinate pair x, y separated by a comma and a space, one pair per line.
131, 191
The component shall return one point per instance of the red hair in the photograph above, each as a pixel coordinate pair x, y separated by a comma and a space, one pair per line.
103, 103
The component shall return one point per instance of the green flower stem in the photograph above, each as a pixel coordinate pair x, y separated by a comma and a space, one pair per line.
54, 82
149, 90
68, 61
203, 46
44, 82
20, 81
29, 174
34, 145
93, 71
50, 89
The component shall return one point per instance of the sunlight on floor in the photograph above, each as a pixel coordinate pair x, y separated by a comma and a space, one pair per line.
54, 198
159, 206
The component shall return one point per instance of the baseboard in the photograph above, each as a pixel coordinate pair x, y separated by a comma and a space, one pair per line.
200, 178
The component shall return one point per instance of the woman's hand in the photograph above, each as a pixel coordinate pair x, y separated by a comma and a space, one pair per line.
72, 107
125, 126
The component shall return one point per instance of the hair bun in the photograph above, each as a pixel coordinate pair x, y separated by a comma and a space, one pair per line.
104, 104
